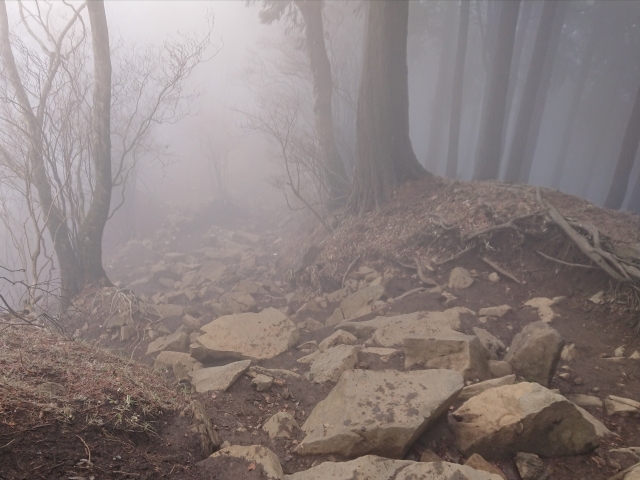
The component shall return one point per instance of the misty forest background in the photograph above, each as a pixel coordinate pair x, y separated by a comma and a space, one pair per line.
315, 105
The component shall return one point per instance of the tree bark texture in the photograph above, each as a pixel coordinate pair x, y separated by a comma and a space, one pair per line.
518, 48
536, 89
384, 154
628, 152
443, 91
92, 228
492, 120
568, 129
336, 175
55, 221
458, 91
530, 92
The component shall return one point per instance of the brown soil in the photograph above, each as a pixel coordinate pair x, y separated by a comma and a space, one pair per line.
428, 218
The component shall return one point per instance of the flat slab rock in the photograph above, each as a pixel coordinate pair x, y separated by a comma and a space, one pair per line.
391, 331
371, 467
329, 364
218, 379
525, 417
254, 336
378, 412
453, 351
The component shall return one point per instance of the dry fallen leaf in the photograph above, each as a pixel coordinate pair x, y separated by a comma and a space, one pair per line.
252, 466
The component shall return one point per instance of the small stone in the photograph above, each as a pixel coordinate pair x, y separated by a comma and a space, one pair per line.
619, 352
499, 311
281, 425
479, 463
500, 368
597, 298
429, 456
531, 467
568, 353
621, 406
460, 278
494, 277
584, 400
262, 383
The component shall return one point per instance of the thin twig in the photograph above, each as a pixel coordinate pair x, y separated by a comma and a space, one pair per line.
7, 444
561, 262
500, 270
87, 448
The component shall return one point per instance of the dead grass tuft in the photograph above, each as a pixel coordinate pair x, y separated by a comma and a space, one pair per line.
46, 378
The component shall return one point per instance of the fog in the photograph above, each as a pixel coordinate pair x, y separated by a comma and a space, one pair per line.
548, 90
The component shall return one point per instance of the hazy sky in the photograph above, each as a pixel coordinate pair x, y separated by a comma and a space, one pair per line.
236, 31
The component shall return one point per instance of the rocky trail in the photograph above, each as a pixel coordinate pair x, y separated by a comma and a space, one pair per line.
426, 342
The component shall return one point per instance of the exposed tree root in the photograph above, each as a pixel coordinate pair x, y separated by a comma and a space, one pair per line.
500, 270
561, 262
421, 275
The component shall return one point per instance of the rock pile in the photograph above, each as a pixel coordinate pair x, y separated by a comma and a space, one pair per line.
430, 365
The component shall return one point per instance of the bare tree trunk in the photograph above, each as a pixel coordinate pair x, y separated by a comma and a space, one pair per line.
530, 92
55, 221
458, 91
92, 228
518, 48
443, 91
492, 121
634, 199
628, 151
337, 181
568, 128
534, 97
384, 154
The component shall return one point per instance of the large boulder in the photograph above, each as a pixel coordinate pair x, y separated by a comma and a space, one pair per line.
253, 336
371, 467
535, 352
329, 364
391, 331
525, 417
181, 364
378, 412
460, 278
218, 379
454, 351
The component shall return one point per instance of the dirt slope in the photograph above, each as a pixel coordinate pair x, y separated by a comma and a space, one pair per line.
432, 220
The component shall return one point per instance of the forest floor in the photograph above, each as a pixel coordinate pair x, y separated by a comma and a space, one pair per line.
86, 404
